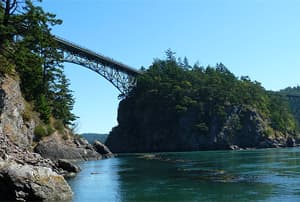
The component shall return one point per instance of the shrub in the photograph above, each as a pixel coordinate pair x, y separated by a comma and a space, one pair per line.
40, 132
58, 125
26, 116
50, 130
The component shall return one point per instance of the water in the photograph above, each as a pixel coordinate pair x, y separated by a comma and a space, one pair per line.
256, 175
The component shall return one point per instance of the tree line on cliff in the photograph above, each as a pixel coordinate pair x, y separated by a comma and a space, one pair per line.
28, 49
292, 96
174, 102
176, 87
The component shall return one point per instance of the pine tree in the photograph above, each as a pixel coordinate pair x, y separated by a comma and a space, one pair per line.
36, 58
63, 101
42, 105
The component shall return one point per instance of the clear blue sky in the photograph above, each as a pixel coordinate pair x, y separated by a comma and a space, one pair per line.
258, 38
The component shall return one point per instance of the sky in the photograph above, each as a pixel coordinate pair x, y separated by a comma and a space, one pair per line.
257, 38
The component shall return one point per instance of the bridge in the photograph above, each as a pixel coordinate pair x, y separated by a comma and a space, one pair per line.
122, 76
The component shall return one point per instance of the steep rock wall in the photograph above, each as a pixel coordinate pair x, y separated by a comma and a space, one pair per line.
141, 130
12, 107
24, 175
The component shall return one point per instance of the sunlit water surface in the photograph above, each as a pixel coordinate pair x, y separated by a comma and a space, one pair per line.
254, 175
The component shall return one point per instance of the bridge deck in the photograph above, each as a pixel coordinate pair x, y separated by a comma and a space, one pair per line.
84, 52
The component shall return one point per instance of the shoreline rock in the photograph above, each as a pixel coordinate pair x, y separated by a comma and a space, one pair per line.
29, 176
32, 183
54, 149
24, 175
102, 149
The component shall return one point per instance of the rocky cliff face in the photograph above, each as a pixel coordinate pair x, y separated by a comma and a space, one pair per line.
140, 131
23, 175
30, 171
12, 107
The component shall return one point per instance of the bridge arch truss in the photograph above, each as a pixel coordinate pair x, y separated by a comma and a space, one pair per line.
120, 75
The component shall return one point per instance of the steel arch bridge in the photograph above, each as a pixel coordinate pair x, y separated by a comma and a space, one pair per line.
120, 75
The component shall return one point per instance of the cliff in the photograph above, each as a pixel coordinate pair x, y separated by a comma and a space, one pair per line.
23, 175
243, 128
26, 175
175, 108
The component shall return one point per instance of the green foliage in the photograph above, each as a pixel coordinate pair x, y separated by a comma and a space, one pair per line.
43, 108
292, 97
63, 102
58, 125
50, 129
27, 45
174, 91
6, 67
202, 128
40, 132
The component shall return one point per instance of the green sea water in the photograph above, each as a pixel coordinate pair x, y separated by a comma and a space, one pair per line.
253, 175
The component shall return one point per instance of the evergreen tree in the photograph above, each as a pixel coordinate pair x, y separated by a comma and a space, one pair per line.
170, 55
186, 63
26, 41
42, 105
63, 101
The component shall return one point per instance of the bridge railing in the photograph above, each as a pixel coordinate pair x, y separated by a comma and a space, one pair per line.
63, 43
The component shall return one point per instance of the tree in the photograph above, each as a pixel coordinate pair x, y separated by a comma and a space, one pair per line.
43, 107
170, 55
35, 57
63, 101
186, 63
7, 9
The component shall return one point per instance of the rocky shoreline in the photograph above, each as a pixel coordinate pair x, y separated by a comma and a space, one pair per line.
29, 176
32, 171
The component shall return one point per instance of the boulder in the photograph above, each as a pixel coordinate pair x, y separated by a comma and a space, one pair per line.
31, 183
55, 150
67, 166
101, 148
81, 141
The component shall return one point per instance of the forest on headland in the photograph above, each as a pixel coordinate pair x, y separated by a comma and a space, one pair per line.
176, 106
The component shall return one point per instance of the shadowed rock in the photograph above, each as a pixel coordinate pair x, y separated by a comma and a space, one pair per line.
55, 150
102, 149
31, 183
68, 166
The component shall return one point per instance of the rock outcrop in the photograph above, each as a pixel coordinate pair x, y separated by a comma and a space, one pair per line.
102, 149
31, 183
243, 127
55, 148
24, 175
68, 166
12, 108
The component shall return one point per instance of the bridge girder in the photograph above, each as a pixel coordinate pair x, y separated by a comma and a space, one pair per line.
123, 81
121, 76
